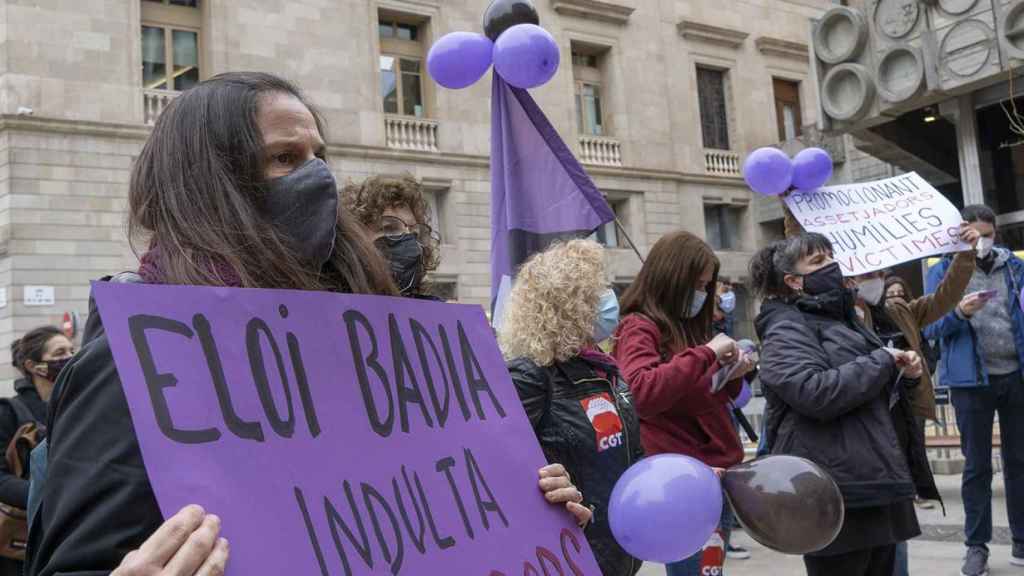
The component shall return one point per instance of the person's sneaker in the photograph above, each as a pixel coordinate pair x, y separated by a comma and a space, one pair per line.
975, 562
736, 552
1017, 557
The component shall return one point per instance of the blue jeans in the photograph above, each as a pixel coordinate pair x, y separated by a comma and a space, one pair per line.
691, 565
975, 409
902, 565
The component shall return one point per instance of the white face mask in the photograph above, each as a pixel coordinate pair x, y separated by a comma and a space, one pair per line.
728, 302
699, 296
872, 290
984, 246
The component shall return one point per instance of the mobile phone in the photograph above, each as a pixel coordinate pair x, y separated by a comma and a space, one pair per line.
987, 294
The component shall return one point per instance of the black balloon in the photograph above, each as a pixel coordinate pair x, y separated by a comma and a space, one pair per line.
789, 504
504, 14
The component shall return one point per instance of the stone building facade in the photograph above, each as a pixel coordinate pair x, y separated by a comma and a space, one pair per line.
660, 100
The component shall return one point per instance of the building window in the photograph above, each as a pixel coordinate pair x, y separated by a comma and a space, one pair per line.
722, 226
787, 108
586, 68
401, 67
170, 44
714, 119
608, 235
436, 205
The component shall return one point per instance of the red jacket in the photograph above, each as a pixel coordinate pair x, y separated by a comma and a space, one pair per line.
678, 413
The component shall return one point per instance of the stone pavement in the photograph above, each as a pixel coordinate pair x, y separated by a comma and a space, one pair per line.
936, 553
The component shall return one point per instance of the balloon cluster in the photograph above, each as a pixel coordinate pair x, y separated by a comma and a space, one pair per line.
770, 172
523, 53
665, 508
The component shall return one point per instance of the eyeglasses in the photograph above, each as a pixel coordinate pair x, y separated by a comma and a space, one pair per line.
394, 227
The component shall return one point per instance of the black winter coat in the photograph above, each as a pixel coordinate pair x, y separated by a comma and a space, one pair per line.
589, 426
833, 399
97, 502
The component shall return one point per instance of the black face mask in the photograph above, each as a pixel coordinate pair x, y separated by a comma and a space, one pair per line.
53, 368
406, 257
304, 206
823, 280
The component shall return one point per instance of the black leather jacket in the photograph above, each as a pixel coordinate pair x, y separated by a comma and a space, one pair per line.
589, 426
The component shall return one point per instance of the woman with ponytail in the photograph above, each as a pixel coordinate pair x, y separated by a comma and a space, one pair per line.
829, 383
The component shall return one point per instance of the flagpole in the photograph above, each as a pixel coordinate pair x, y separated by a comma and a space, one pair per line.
622, 230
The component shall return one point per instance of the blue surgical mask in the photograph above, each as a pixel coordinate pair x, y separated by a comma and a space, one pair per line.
607, 316
728, 302
699, 296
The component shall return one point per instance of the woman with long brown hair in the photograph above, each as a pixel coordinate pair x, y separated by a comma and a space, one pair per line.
667, 354
231, 189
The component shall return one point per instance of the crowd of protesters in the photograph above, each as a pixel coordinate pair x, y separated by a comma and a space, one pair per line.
233, 189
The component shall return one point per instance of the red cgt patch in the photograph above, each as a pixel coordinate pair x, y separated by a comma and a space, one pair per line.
605, 419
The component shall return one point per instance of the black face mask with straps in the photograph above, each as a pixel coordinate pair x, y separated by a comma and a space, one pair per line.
405, 254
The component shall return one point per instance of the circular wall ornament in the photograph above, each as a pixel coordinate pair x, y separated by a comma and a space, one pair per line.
1012, 30
956, 7
847, 92
900, 73
967, 48
840, 35
896, 18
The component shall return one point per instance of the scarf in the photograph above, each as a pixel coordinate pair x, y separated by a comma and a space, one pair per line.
151, 272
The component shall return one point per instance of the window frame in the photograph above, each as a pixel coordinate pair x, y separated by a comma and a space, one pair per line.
725, 105
171, 18
618, 206
780, 104
399, 49
593, 76
735, 239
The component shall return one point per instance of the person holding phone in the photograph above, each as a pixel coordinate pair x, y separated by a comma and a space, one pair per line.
982, 344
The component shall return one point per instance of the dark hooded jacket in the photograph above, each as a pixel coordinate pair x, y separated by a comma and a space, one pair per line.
97, 503
833, 398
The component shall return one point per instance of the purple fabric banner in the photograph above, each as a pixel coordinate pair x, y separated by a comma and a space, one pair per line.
337, 434
539, 191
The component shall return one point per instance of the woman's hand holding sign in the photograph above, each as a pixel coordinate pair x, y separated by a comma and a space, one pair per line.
185, 545
558, 488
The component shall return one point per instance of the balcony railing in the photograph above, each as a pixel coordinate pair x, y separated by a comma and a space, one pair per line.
154, 102
600, 151
721, 163
409, 133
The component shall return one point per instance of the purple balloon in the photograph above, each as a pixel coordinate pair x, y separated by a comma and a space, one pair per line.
812, 167
459, 59
526, 56
768, 171
664, 508
744, 396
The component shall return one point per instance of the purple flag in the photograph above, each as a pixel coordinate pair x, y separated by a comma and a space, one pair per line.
539, 191
337, 435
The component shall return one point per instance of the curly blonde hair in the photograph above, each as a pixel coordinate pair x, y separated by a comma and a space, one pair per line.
550, 312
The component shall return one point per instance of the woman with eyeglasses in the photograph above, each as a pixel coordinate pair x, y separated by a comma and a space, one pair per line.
395, 211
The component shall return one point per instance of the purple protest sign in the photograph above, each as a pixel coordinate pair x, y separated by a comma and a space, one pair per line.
337, 434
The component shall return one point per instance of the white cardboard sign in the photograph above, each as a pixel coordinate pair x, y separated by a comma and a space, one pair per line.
876, 225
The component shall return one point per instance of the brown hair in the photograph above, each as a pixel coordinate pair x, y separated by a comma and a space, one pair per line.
664, 290
891, 280
195, 193
369, 200
32, 346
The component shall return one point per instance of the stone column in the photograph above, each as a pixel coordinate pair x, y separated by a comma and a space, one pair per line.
967, 148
